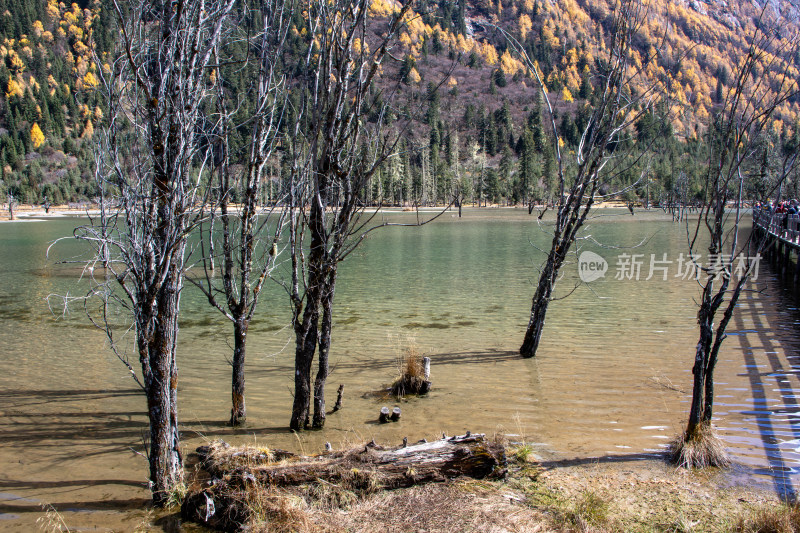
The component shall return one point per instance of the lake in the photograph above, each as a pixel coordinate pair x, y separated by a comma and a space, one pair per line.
612, 376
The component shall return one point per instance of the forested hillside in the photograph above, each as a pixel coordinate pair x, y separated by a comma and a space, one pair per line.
472, 109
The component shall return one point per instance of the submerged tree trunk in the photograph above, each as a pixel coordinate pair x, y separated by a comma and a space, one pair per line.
306, 335
160, 370
705, 316
702, 407
569, 220
305, 346
324, 350
712, 359
541, 299
307, 330
238, 409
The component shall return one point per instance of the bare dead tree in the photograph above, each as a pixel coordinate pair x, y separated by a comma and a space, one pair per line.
335, 156
12, 202
152, 160
597, 159
249, 233
736, 148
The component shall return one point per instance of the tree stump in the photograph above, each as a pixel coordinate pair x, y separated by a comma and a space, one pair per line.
414, 383
338, 404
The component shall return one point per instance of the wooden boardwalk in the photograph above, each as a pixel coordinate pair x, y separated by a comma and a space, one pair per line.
782, 232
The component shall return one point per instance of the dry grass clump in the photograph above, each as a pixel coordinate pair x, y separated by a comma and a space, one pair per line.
52, 521
589, 513
277, 511
303, 508
412, 374
219, 456
467, 506
521, 453
775, 519
585, 511
701, 450
352, 486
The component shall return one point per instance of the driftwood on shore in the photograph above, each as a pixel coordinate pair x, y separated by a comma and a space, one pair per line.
221, 501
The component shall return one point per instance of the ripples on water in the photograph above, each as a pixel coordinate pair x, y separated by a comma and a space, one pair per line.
612, 376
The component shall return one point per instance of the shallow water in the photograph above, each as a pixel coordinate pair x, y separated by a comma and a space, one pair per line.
612, 376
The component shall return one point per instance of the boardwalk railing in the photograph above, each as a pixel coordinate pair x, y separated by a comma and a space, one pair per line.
781, 232
781, 226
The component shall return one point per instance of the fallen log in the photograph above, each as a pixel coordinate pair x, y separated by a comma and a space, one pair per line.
221, 502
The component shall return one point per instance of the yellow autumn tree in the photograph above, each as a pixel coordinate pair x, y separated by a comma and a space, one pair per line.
489, 53
414, 76
382, 8
90, 81
13, 89
525, 25
508, 64
37, 137
88, 130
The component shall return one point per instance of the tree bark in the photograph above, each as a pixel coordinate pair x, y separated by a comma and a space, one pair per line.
708, 409
541, 299
705, 317
238, 408
161, 387
324, 349
304, 356
306, 335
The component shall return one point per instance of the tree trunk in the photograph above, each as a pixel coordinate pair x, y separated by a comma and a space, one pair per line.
324, 350
705, 317
708, 409
541, 299
304, 356
161, 387
238, 409
306, 332
698, 391
306, 336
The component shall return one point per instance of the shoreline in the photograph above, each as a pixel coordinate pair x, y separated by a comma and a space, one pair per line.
599, 494
29, 211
